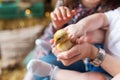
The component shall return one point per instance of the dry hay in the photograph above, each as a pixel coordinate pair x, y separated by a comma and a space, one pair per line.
17, 73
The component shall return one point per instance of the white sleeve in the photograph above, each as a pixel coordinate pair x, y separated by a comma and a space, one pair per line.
113, 15
113, 38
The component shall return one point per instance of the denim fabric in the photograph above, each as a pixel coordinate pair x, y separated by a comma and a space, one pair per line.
93, 68
78, 66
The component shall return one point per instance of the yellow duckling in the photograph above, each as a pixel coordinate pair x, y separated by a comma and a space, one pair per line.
61, 40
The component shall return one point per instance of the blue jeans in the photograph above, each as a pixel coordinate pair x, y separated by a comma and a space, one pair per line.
78, 66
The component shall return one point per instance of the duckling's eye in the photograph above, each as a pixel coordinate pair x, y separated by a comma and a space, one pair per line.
59, 39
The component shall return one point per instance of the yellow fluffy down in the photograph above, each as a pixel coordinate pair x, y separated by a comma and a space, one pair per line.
61, 40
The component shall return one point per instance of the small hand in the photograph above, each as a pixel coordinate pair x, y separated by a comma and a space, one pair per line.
74, 32
60, 16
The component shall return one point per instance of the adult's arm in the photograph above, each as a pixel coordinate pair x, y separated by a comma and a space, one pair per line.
111, 64
93, 22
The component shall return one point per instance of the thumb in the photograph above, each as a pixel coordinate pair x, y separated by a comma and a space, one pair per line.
73, 12
51, 41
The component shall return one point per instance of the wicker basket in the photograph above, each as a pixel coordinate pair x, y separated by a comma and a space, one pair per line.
16, 44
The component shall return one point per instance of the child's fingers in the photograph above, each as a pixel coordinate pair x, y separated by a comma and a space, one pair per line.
73, 12
64, 12
66, 28
58, 13
53, 16
68, 12
73, 38
80, 40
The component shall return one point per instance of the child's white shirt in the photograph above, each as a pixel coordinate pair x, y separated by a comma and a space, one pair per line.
112, 42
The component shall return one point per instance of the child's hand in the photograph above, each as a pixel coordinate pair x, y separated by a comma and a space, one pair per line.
79, 35
60, 16
75, 32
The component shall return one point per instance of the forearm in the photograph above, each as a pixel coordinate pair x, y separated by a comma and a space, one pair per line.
62, 74
111, 64
93, 22
95, 37
65, 75
98, 36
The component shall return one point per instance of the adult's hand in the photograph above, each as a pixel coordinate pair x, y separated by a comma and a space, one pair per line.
55, 51
76, 53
